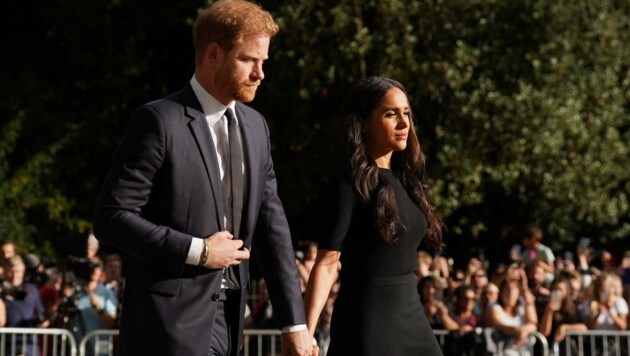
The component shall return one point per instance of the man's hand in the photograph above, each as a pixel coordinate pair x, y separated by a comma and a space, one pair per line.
298, 343
224, 251
94, 301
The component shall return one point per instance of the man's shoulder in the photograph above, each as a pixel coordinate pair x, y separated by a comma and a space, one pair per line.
248, 112
173, 106
172, 101
253, 120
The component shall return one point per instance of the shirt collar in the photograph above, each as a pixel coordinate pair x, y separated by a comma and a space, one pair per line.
212, 108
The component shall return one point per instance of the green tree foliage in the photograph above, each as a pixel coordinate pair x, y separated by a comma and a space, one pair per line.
27, 193
72, 73
521, 106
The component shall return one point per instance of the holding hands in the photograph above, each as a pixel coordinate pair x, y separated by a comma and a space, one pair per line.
298, 343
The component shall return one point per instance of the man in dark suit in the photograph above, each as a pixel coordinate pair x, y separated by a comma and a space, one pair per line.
190, 190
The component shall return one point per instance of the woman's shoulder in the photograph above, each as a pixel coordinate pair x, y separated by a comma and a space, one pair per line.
621, 305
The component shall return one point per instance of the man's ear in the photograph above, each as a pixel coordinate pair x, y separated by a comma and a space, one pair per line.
214, 52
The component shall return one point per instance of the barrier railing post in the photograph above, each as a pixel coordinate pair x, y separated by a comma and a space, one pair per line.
260, 335
601, 342
96, 334
538, 337
30, 335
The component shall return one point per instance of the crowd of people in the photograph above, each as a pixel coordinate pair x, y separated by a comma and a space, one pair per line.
535, 291
82, 294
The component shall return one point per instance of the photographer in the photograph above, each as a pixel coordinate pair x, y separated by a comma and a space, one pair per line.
23, 304
95, 303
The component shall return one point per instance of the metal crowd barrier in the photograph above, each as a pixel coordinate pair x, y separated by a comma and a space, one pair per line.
498, 348
35, 342
533, 339
266, 342
256, 342
595, 342
259, 342
441, 335
98, 343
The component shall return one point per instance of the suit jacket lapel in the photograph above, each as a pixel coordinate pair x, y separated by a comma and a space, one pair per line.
201, 132
251, 170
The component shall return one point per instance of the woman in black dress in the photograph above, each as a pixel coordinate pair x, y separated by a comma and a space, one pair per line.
377, 215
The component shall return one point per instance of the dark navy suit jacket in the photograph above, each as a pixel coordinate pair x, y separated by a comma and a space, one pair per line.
162, 189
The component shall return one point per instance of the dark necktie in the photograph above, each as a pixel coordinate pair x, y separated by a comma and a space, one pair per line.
235, 175
235, 172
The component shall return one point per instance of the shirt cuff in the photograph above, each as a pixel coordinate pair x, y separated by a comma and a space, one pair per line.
194, 254
293, 328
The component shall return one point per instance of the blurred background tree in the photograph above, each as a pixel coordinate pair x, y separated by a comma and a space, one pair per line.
521, 107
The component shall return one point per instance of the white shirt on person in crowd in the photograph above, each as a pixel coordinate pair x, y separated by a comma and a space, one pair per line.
605, 320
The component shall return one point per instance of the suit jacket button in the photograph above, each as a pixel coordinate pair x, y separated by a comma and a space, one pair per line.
215, 297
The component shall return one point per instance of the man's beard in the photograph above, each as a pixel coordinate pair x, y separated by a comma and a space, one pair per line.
238, 91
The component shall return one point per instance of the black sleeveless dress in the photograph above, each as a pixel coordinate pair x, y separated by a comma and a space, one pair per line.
377, 311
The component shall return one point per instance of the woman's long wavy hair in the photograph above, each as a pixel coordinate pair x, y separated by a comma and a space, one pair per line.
568, 312
408, 165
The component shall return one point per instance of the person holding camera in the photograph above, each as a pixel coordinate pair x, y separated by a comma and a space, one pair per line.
561, 314
609, 311
23, 306
87, 304
96, 304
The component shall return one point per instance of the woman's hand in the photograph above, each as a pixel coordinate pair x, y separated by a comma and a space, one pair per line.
522, 277
554, 304
543, 291
521, 336
440, 264
441, 308
523, 333
465, 329
561, 333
